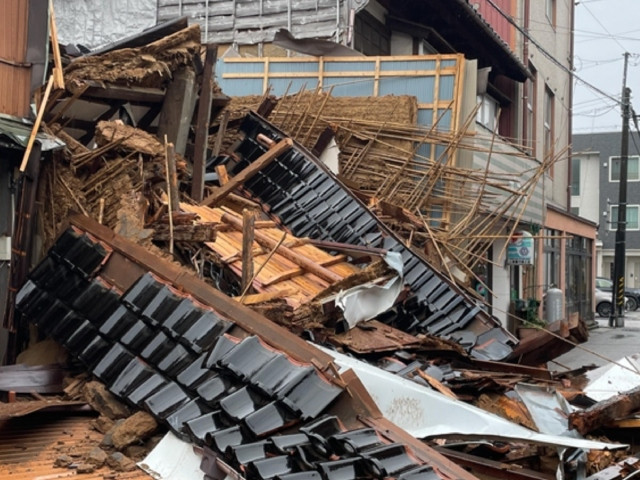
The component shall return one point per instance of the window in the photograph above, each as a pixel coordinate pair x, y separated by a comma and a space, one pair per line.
575, 176
551, 258
487, 111
632, 217
529, 132
575, 211
633, 169
548, 123
550, 11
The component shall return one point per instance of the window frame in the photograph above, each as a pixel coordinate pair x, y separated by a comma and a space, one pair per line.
550, 11
613, 216
529, 124
629, 158
548, 127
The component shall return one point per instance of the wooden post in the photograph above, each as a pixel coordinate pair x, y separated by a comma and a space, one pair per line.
221, 131
177, 109
172, 178
202, 124
287, 252
261, 162
248, 235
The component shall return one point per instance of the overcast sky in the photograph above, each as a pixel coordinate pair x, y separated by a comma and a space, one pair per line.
604, 30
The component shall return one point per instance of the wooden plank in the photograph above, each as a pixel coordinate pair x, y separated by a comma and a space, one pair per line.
248, 233
223, 176
177, 109
262, 161
36, 126
202, 124
58, 77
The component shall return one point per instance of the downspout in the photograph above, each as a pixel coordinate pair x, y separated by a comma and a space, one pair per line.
525, 57
570, 122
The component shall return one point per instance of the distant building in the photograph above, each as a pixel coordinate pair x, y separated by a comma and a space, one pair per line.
595, 181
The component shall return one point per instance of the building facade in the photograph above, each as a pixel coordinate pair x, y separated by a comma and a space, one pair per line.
595, 183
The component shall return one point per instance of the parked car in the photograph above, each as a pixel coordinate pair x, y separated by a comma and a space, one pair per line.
633, 294
603, 303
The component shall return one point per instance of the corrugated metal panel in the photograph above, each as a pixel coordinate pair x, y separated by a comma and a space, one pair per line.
13, 31
14, 89
30, 445
496, 20
14, 78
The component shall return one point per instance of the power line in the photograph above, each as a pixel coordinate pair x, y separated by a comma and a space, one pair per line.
549, 55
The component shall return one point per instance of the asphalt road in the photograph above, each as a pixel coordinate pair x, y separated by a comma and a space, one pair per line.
604, 345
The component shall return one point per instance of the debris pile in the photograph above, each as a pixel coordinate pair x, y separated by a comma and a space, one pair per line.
194, 244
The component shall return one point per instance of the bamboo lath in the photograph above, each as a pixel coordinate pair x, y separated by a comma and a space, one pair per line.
382, 152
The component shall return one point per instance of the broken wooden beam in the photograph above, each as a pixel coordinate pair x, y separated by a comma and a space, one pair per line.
172, 178
262, 161
177, 109
202, 124
103, 91
605, 412
248, 235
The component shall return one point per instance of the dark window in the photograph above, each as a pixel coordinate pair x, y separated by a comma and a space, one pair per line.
371, 37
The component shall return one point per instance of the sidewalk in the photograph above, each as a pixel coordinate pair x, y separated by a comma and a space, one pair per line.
611, 343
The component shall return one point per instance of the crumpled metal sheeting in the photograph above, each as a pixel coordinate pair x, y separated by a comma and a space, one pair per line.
297, 191
154, 360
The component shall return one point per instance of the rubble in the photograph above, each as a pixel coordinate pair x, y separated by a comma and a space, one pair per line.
135, 429
160, 295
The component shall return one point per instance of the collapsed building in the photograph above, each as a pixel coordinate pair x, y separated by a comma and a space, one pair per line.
197, 255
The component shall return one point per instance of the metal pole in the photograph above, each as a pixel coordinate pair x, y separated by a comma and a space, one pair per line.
617, 299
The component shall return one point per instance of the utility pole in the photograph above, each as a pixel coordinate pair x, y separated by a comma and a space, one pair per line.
617, 296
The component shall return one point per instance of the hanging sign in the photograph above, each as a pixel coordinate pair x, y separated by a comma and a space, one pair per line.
520, 249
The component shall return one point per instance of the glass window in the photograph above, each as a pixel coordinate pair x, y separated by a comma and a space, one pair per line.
632, 217
487, 112
530, 119
575, 176
550, 11
633, 168
551, 258
548, 123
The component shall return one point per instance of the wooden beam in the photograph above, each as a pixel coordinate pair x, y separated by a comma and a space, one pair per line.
202, 124
172, 176
605, 412
140, 95
36, 126
248, 235
260, 163
288, 253
177, 109
58, 78
222, 129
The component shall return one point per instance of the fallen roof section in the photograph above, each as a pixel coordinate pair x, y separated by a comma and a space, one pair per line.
298, 191
143, 327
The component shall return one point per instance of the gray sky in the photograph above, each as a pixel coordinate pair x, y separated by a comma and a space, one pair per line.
604, 30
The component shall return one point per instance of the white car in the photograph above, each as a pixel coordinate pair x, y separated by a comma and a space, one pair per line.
603, 303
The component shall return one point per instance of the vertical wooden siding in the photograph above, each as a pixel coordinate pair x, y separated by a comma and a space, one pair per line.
15, 75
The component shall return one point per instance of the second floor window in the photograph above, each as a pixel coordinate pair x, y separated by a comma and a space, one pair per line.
487, 111
633, 169
550, 11
575, 176
632, 217
548, 123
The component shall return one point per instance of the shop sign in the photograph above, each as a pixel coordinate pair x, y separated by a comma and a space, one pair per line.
520, 249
